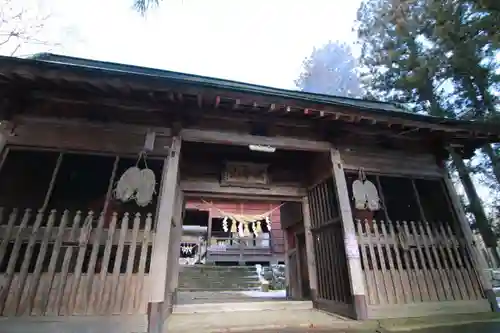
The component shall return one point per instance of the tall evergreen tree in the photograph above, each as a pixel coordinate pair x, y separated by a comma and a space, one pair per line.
406, 65
468, 35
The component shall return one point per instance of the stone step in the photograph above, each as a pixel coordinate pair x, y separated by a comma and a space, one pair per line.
274, 316
209, 277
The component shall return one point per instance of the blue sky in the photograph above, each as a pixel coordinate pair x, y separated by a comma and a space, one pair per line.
255, 41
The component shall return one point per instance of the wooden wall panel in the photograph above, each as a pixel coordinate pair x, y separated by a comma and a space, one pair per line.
387, 161
86, 136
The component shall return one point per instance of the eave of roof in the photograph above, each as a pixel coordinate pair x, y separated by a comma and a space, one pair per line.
103, 69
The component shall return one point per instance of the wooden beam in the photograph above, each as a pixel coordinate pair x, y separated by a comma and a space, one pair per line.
86, 136
356, 274
214, 187
236, 139
159, 259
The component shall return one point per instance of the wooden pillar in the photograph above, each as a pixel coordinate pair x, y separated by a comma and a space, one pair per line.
174, 250
478, 259
287, 264
159, 259
356, 275
209, 227
311, 258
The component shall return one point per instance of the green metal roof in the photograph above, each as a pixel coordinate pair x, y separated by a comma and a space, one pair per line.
214, 82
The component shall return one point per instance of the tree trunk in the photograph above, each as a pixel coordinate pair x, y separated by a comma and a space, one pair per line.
495, 163
490, 240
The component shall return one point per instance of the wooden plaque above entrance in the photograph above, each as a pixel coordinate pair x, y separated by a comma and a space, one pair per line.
245, 174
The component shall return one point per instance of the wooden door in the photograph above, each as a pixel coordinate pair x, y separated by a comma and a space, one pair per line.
334, 293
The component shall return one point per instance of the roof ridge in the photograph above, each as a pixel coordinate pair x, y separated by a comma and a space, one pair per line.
125, 68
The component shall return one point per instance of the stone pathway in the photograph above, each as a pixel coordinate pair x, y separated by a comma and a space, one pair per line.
491, 327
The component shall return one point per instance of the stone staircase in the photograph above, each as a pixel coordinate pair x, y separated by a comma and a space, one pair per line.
218, 278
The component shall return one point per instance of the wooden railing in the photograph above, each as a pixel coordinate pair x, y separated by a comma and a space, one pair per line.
412, 262
72, 263
243, 247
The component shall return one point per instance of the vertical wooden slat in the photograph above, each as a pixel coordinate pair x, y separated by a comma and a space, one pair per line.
100, 296
386, 278
64, 276
435, 265
473, 288
39, 262
94, 285
369, 277
53, 262
9, 274
378, 283
113, 294
405, 257
333, 278
73, 301
317, 241
326, 244
427, 270
457, 273
440, 240
395, 274
23, 274
8, 233
448, 294
140, 294
331, 274
128, 295
403, 273
421, 292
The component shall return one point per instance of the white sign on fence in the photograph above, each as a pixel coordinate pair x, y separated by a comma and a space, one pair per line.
351, 246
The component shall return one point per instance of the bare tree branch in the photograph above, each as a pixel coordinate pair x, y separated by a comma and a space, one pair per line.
19, 27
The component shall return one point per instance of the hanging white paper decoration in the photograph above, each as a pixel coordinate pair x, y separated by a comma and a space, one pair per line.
187, 249
372, 198
268, 222
224, 224
136, 184
365, 193
241, 232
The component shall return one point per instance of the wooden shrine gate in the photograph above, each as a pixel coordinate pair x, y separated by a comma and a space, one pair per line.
334, 293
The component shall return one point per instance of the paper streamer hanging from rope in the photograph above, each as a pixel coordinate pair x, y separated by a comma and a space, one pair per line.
246, 218
240, 222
